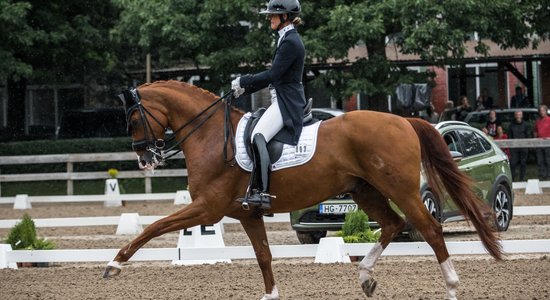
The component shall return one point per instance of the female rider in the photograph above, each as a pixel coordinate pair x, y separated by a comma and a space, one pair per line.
283, 119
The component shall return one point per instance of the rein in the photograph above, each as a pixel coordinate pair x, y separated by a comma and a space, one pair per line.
156, 146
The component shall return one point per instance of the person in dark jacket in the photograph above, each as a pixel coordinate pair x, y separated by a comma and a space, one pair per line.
283, 119
519, 100
518, 129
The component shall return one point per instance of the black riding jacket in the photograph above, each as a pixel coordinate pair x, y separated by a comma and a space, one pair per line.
285, 75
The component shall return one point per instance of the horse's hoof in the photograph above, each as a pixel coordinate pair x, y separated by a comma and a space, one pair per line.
368, 287
113, 269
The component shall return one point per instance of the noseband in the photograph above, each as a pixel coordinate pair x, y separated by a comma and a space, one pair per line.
154, 145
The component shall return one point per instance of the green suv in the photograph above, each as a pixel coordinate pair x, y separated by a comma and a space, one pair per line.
475, 154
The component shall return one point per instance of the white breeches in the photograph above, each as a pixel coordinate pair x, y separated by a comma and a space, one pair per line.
271, 121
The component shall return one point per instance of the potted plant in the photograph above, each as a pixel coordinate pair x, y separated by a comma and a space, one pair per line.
356, 229
23, 237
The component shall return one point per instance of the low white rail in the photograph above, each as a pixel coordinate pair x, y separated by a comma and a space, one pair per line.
155, 196
247, 252
146, 220
115, 220
93, 198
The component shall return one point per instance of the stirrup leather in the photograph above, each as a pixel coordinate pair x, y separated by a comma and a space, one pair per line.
257, 193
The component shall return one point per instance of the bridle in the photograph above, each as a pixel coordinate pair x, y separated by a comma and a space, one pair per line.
156, 146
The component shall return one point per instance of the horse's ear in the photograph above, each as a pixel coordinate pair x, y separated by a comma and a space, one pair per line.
127, 99
122, 98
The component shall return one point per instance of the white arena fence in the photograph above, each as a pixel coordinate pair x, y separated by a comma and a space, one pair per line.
146, 220
70, 175
92, 198
8, 258
116, 220
70, 159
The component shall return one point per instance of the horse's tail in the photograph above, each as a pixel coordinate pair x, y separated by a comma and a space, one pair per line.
440, 169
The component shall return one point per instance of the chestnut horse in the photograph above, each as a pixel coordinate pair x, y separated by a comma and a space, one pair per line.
374, 156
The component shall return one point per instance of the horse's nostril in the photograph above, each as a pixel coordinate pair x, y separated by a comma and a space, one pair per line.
143, 162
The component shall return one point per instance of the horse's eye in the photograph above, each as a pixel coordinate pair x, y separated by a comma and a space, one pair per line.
135, 123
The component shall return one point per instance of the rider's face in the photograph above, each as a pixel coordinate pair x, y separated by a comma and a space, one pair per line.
275, 21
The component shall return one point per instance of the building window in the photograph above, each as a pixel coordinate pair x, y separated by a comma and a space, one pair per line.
41, 114
46, 104
476, 78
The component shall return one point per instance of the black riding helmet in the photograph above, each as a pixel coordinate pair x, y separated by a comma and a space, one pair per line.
291, 8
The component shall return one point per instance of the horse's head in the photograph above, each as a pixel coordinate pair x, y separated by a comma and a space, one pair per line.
147, 128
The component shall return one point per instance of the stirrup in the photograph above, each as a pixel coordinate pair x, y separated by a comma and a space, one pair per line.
264, 201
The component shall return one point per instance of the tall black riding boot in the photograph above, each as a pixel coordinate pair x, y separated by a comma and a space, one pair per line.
258, 190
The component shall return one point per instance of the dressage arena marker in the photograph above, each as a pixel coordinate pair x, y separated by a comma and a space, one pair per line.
112, 189
22, 202
247, 252
129, 224
330, 251
533, 187
182, 198
202, 236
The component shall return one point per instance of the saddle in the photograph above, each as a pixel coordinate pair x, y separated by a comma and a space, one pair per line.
274, 148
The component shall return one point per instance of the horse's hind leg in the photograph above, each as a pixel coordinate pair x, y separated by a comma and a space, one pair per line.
432, 232
255, 229
377, 207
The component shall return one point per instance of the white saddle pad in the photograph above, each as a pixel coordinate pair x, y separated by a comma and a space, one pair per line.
292, 155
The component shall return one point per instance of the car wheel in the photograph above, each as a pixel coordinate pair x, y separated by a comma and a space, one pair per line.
432, 205
502, 206
311, 237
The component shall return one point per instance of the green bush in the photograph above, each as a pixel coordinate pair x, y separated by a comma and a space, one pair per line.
356, 229
23, 236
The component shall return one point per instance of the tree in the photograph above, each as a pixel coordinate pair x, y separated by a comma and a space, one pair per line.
216, 35
52, 42
12, 20
434, 30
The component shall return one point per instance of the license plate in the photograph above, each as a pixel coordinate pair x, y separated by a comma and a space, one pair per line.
336, 209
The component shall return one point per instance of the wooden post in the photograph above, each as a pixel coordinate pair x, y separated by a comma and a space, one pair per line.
70, 189
148, 185
148, 68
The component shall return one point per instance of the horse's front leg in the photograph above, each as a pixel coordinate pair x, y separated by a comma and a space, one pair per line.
192, 215
255, 229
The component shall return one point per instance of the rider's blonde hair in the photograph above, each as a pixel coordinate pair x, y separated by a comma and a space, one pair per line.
297, 21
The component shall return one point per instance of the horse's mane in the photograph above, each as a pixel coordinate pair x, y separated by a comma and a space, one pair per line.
185, 85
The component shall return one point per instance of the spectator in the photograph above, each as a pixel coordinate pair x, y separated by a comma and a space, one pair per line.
429, 114
463, 109
484, 101
502, 136
519, 100
492, 124
519, 129
542, 130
